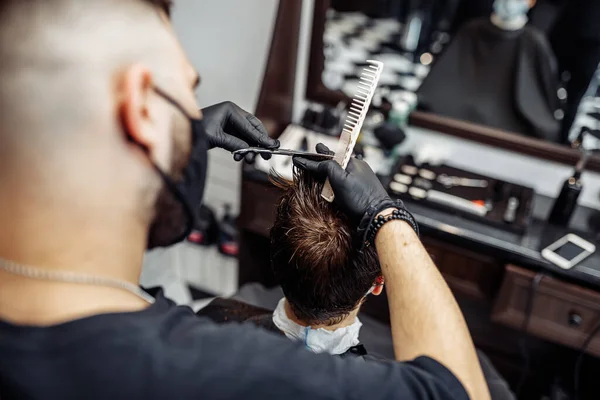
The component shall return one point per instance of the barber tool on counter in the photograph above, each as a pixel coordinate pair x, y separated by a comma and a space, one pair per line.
391, 132
566, 202
228, 233
481, 198
323, 119
205, 230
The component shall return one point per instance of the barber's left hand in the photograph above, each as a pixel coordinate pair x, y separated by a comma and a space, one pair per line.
231, 128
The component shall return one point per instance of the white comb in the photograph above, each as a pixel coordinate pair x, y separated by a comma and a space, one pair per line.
354, 121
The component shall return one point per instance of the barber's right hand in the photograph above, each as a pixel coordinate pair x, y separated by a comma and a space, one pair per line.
357, 189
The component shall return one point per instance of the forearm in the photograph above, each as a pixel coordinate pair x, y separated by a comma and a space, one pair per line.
425, 317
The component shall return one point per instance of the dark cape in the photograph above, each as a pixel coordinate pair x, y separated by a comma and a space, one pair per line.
503, 79
223, 311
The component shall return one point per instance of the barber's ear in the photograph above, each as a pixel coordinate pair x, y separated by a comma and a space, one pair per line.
378, 286
136, 90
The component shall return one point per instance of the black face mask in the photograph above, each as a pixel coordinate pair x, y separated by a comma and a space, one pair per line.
175, 216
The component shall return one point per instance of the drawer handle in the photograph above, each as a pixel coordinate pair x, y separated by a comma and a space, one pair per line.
575, 319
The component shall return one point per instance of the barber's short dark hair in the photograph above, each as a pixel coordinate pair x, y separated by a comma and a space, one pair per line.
164, 5
314, 254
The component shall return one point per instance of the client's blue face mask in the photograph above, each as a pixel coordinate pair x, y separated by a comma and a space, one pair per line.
510, 9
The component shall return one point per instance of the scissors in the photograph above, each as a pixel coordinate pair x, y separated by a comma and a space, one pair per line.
284, 152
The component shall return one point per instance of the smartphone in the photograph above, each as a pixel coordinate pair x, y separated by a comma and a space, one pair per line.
568, 251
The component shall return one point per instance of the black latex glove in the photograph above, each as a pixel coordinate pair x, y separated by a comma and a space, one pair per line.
357, 189
231, 128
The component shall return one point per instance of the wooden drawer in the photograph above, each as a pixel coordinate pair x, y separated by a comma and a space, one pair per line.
466, 273
560, 312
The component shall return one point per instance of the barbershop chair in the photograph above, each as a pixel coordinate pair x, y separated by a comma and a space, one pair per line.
374, 335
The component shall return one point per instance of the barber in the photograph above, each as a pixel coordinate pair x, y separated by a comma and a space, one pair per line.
76, 206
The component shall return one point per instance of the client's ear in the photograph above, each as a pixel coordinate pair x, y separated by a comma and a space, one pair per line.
378, 286
377, 291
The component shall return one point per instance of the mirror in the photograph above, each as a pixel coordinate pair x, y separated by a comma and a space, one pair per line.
520, 74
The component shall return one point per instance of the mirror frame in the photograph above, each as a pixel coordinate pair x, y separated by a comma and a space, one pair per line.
316, 91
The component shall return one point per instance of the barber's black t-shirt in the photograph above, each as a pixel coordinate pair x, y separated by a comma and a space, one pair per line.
167, 352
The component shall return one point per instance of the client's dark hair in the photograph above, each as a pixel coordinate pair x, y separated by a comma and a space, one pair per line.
314, 254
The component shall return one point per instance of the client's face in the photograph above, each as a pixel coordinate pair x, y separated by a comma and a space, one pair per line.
509, 9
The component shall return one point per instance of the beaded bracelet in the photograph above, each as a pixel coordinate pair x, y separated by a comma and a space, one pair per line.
397, 214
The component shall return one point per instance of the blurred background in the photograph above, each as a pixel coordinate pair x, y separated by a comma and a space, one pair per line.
227, 42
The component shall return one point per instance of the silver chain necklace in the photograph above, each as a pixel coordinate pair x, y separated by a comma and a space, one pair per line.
72, 277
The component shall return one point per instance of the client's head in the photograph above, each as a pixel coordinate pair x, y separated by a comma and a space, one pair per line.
324, 274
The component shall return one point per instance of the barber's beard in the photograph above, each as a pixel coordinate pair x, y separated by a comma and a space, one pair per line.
182, 148
169, 215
